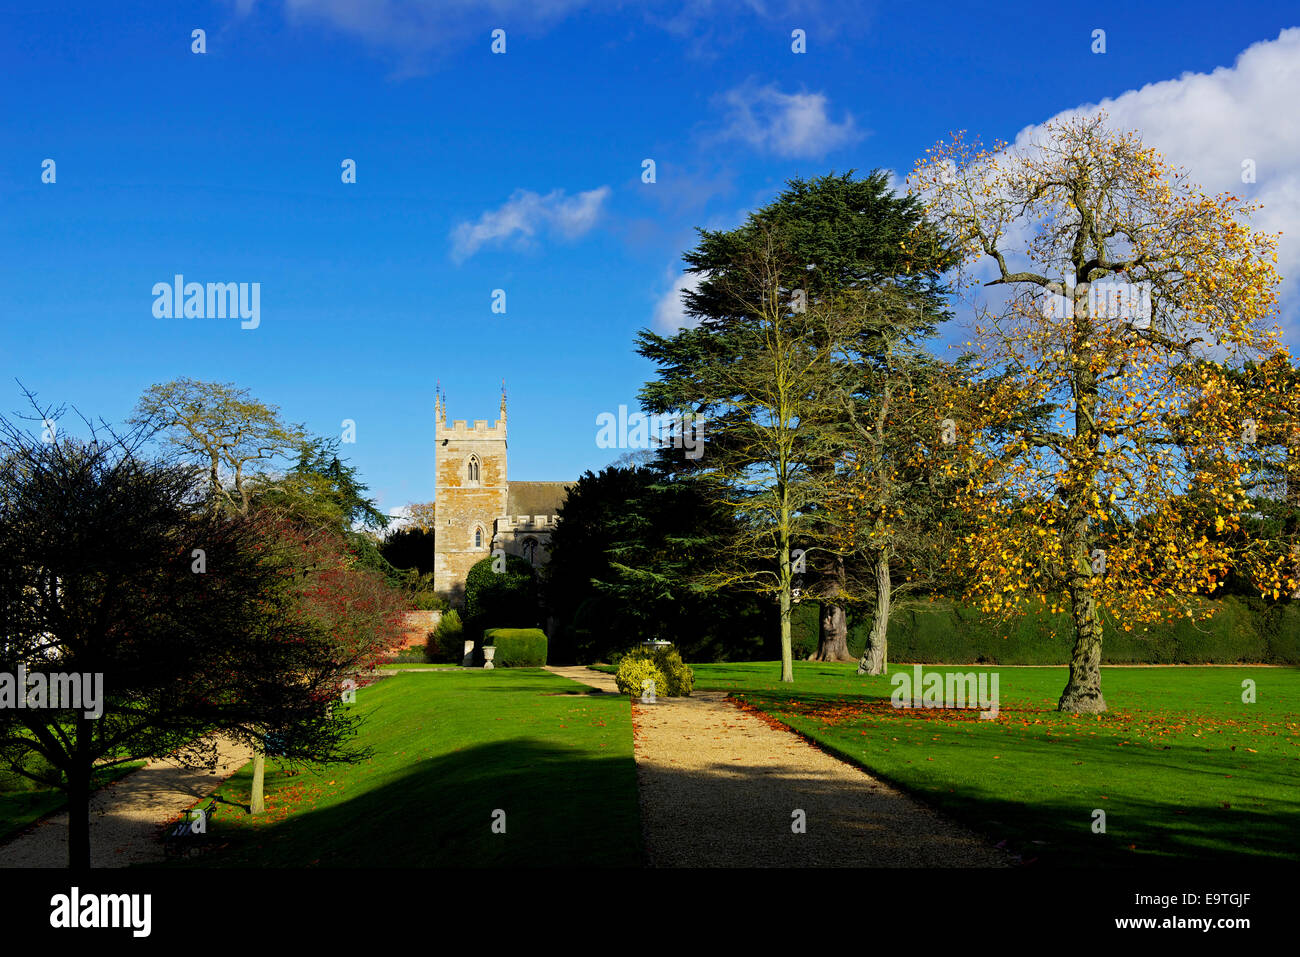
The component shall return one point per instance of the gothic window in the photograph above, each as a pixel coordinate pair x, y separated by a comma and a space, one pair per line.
472, 469
478, 537
530, 550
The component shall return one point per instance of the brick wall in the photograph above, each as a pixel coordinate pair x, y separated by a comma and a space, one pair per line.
417, 625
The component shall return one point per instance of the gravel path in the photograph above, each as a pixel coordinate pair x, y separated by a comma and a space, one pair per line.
127, 816
719, 788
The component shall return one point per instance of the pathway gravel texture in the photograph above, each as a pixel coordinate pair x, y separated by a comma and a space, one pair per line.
127, 817
721, 788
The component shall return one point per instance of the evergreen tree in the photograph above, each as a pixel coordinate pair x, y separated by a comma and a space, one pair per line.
772, 358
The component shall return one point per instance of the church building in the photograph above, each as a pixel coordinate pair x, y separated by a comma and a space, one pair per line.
478, 508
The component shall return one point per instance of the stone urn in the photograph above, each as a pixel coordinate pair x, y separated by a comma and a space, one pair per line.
489, 652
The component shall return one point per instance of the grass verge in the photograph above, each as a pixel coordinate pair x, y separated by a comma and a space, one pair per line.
448, 752
1183, 768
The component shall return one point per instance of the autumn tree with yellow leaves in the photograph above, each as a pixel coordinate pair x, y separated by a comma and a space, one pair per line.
1120, 294
1264, 398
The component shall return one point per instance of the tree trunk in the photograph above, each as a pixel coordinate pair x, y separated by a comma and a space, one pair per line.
1082, 694
874, 655
787, 658
256, 802
214, 480
79, 817
79, 773
833, 637
784, 583
833, 633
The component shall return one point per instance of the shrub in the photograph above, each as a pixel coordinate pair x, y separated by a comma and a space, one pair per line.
506, 599
681, 680
447, 641
634, 670
672, 677
517, 647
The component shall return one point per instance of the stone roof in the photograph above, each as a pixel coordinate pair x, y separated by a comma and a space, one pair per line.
535, 498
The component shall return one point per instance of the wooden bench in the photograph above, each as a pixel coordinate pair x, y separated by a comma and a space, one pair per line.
190, 832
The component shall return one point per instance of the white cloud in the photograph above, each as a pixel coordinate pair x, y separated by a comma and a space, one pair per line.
525, 214
417, 32
786, 124
1211, 122
395, 19
670, 314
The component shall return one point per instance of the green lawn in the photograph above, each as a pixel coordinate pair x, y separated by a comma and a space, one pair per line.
22, 801
415, 665
1183, 769
449, 750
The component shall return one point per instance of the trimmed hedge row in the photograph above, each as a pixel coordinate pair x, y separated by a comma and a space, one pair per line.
1244, 630
517, 647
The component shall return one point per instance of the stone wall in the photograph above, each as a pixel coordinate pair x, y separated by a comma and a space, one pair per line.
416, 625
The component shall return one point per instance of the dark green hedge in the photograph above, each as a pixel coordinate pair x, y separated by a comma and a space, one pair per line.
517, 647
506, 599
1247, 630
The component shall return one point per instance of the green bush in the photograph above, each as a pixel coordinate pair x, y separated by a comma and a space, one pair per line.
447, 641
633, 671
505, 599
681, 679
672, 677
517, 647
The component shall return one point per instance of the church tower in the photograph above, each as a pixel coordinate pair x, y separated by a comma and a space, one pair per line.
471, 491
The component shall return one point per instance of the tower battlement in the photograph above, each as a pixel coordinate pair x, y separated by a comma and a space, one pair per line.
478, 508
527, 523
460, 429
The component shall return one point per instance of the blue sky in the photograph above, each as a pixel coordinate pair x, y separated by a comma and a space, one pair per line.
520, 172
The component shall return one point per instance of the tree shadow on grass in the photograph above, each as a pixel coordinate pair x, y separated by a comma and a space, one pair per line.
561, 807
